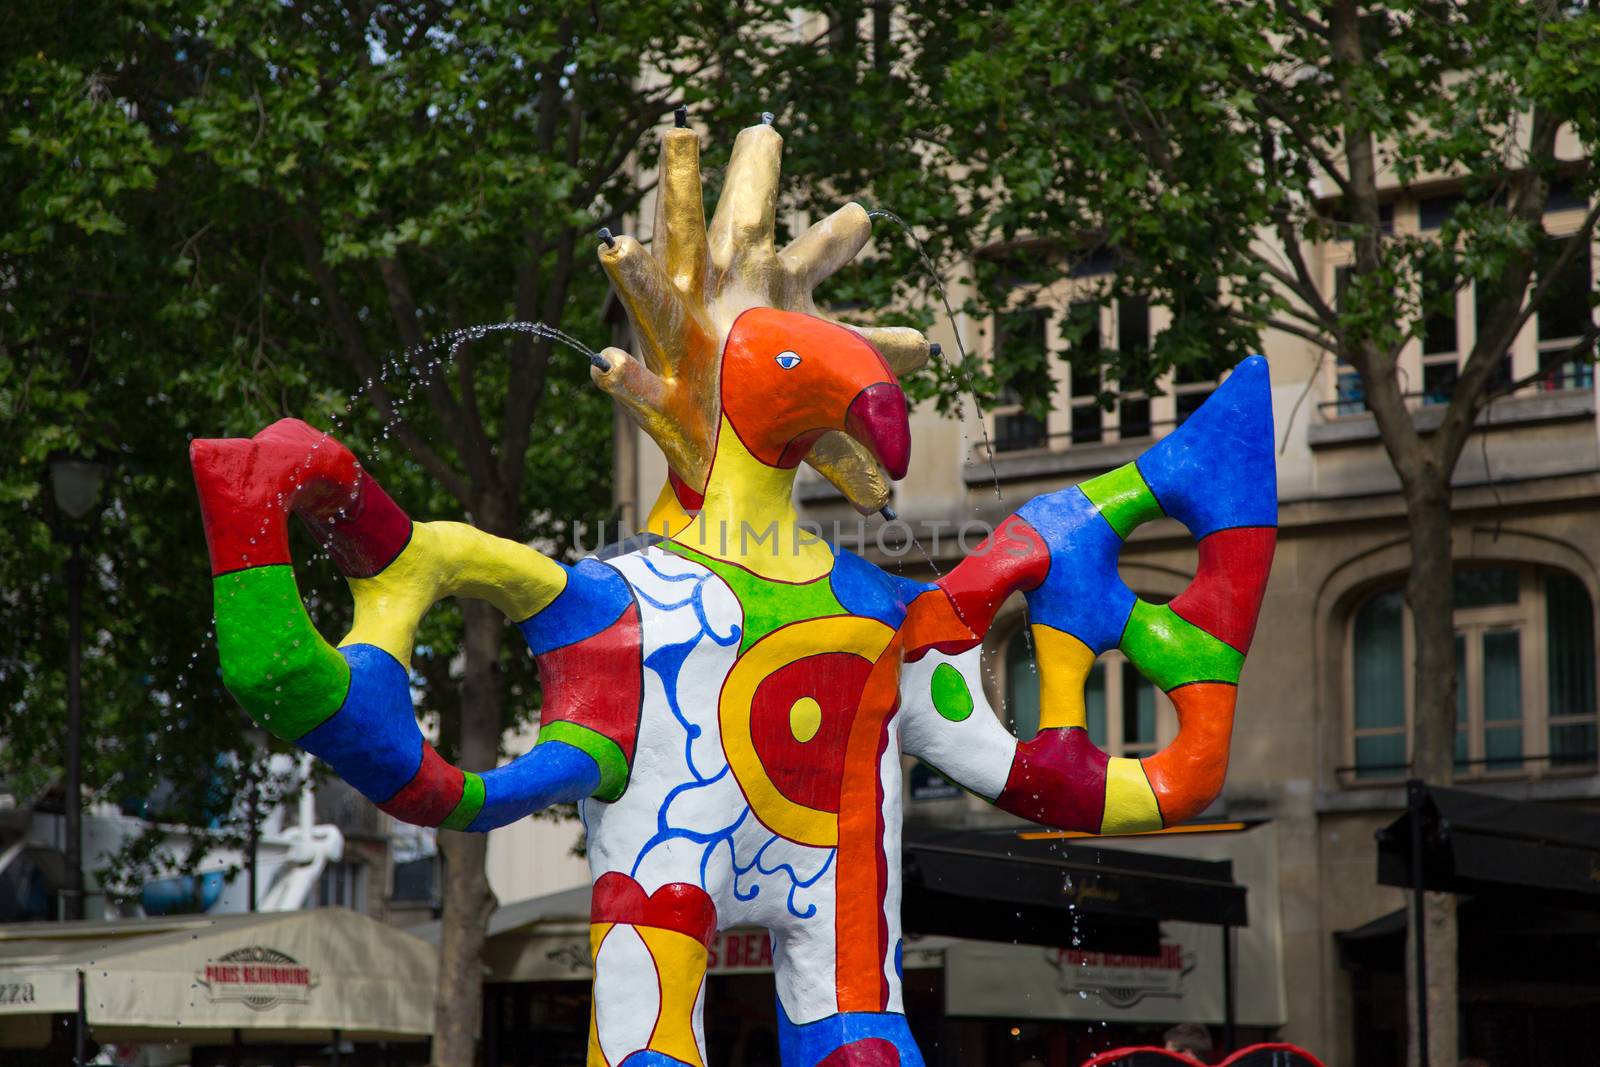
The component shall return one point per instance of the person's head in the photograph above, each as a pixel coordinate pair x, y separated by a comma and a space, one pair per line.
1191, 1038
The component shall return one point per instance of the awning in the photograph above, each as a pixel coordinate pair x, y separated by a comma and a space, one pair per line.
1189, 885
1040, 889
280, 976
1475, 842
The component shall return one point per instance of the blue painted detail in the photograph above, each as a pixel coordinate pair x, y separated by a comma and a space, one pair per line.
372, 741
551, 772
796, 883
1216, 471
666, 663
807, 1045
869, 592
1082, 593
652, 1058
176, 896
595, 597
900, 958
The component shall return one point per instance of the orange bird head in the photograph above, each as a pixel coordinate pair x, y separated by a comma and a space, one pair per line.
789, 378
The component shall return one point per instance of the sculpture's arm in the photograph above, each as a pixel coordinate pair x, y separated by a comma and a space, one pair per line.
1216, 476
352, 705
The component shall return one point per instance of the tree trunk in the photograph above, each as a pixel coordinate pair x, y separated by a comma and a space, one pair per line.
1429, 591
467, 900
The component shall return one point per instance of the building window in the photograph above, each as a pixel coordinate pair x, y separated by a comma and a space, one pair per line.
1129, 413
1020, 338
1127, 715
1525, 688
1441, 339
1454, 313
1350, 393
343, 885
1085, 357
1022, 685
1133, 341
1564, 316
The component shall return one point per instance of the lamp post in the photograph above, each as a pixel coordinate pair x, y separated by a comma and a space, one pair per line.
75, 486
256, 738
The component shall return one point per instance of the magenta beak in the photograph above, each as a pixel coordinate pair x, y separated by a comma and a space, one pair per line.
877, 418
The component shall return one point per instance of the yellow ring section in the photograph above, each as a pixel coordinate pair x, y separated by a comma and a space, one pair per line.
1131, 806
1064, 665
858, 636
448, 559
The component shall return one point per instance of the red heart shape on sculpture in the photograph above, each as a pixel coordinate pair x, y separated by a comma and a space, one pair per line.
1268, 1054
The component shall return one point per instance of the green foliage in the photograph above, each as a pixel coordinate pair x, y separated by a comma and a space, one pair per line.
1193, 142
214, 214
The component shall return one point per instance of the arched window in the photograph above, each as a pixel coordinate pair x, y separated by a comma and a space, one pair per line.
1127, 715
1525, 676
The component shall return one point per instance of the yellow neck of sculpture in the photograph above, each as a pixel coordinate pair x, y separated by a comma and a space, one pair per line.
748, 517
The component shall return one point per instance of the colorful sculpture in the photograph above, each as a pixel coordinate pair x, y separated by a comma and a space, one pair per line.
730, 702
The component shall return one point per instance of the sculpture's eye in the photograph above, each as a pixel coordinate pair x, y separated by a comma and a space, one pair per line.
787, 360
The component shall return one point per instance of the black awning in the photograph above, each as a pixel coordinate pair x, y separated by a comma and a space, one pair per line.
1477, 843
1017, 887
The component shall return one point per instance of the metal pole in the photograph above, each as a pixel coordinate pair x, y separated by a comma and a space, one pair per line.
80, 1037
1419, 930
1228, 1009
254, 844
73, 904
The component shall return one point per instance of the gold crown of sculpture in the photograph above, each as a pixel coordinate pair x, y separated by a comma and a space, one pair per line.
683, 295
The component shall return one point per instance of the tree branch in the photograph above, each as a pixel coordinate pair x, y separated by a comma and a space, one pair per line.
352, 346
1301, 19
1513, 304
403, 308
1265, 97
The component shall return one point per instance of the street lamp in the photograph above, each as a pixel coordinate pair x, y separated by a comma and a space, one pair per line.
256, 740
75, 485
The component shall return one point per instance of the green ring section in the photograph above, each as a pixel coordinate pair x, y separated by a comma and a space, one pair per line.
951, 697
1171, 651
468, 806
606, 752
273, 660
1123, 498
767, 605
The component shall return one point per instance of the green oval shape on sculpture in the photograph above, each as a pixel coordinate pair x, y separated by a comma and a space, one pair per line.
951, 696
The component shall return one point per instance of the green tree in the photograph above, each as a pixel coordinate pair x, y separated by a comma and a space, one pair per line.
215, 215
219, 213
1174, 134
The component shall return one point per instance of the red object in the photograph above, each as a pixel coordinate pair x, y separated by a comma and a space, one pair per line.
1059, 779
1225, 597
868, 1052
568, 676
431, 795
877, 418
808, 772
1250, 1056
689, 498
675, 906
248, 487
1013, 557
